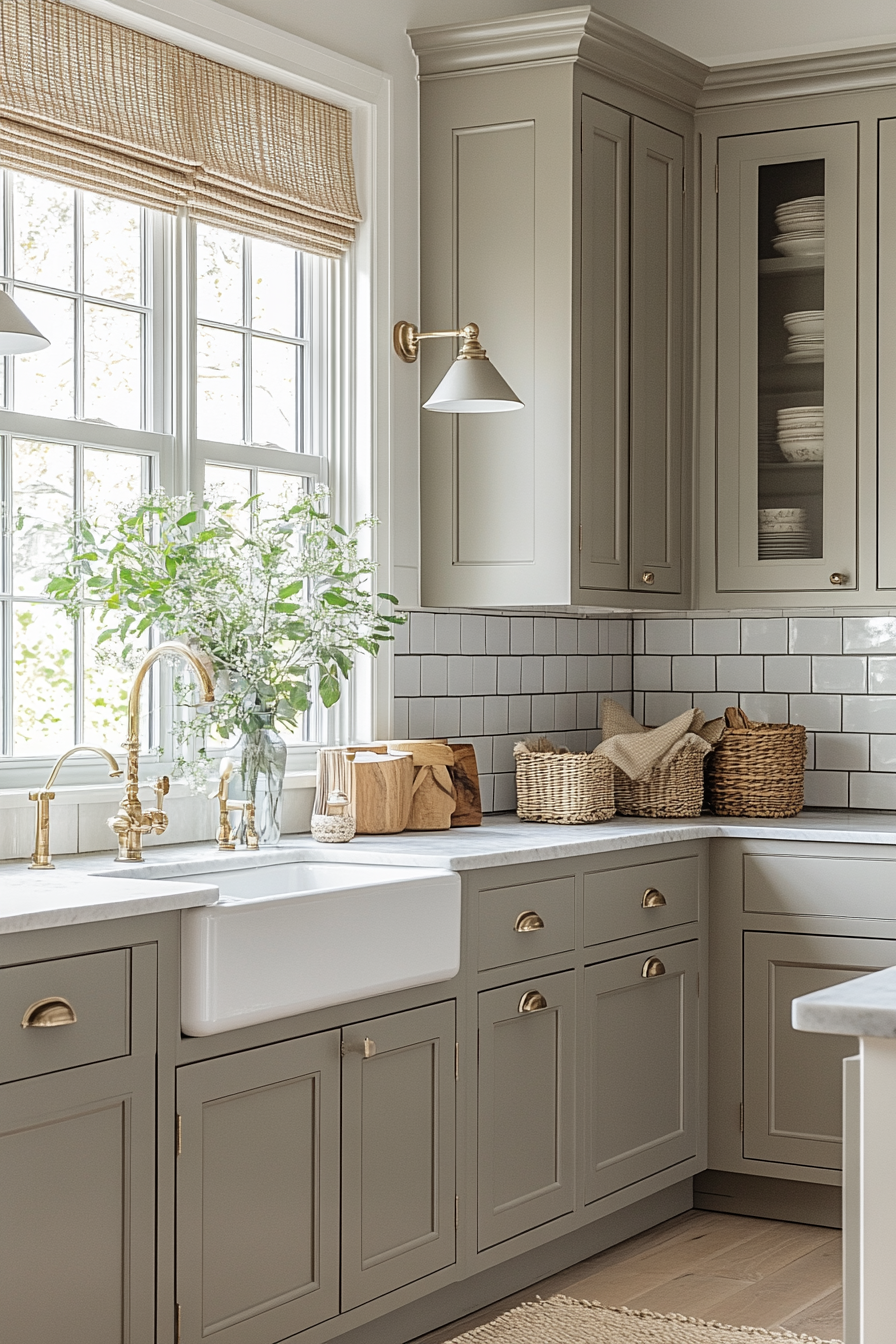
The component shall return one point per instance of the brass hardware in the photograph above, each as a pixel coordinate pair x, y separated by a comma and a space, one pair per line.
131, 823
367, 1048
528, 922
532, 1002
41, 858
652, 967
648, 577
406, 339
226, 836
652, 898
52, 1012
838, 580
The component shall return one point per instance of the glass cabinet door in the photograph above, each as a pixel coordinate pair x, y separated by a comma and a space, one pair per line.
786, 439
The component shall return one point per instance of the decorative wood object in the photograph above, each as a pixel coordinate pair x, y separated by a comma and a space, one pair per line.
465, 774
382, 787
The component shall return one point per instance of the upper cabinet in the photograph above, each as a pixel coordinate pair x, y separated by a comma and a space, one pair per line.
554, 214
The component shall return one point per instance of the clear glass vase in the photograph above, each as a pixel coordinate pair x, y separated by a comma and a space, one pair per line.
262, 771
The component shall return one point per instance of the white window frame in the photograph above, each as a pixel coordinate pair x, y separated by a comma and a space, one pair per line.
357, 328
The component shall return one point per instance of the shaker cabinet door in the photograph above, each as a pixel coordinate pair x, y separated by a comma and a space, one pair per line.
886, 359
787, 360
641, 1092
398, 1152
526, 1092
258, 1192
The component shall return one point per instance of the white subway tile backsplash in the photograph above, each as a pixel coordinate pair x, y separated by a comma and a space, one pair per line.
815, 634
483, 748
791, 672
421, 717
485, 676
509, 675
460, 676
544, 635
618, 637
400, 719
406, 675
401, 638
494, 714
651, 673
586, 710
883, 751
625, 699
872, 791
762, 634
555, 674
588, 634
423, 632
567, 637
673, 636
565, 711
577, 672
694, 672
433, 674
519, 713
713, 703
869, 634
841, 751
505, 793
497, 634
600, 672
532, 678
842, 675
622, 672
446, 719
502, 753
543, 713
472, 635
821, 713
739, 673
827, 788
661, 706
764, 707
448, 633
719, 635
882, 675
638, 636
471, 716
487, 792
521, 634
869, 713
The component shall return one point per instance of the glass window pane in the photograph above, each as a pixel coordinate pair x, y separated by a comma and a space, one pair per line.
274, 393
280, 490
274, 288
44, 224
112, 481
106, 688
219, 385
44, 381
228, 483
43, 483
219, 275
43, 691
112, 360
112, 249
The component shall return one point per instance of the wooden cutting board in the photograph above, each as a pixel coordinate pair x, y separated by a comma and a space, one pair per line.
465, 774
381, 792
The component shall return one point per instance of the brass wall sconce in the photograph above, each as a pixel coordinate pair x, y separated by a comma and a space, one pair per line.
472, 385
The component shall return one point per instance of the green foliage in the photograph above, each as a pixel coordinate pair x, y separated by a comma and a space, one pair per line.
277, 597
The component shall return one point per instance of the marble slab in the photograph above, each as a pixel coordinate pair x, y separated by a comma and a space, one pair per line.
62, 896
862, 1007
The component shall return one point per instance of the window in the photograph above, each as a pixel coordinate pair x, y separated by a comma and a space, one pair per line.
222, 384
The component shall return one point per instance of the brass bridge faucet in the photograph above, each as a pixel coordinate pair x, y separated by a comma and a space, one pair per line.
41, 858
131, 823
226, 836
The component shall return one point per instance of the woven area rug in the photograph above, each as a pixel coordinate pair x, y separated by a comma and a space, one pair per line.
563, 1320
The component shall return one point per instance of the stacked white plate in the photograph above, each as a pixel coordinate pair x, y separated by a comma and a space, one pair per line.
769, 450
801, 433
805, 337
783, 534
800, 227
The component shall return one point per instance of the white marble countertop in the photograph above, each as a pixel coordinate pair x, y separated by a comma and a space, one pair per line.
88, 887
865, 1006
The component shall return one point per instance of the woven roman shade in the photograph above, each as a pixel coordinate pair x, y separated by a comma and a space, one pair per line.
103, 107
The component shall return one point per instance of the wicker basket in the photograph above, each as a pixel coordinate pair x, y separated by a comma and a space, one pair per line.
757, 769
673, 790
553, 784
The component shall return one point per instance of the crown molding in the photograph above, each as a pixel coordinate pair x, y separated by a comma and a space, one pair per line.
845, 71
557, 36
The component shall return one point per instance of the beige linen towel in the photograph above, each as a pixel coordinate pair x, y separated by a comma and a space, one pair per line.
638, 751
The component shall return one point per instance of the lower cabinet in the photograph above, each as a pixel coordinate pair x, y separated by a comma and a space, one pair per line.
526, 1105
641, 1085
289, 1150
793, 1079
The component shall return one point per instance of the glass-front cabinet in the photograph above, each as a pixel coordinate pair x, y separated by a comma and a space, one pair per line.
786, 438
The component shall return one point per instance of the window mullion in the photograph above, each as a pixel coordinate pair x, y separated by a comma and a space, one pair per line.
78, 655
78, 348
247, 341
6, 669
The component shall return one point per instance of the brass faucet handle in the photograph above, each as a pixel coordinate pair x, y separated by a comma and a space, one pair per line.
251, 835
162, 787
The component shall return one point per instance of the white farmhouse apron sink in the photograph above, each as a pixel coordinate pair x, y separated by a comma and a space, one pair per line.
295, 936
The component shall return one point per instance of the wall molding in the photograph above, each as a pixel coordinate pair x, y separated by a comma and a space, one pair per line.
823, 72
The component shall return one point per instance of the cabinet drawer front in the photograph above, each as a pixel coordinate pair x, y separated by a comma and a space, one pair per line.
619, 902
778, 884
506, 936
97, 987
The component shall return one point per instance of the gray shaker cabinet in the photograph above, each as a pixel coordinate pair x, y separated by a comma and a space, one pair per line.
641, 1085
77, 1152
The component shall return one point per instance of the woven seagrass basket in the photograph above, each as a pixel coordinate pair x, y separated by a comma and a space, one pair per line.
565, 787
674, 790
757, 769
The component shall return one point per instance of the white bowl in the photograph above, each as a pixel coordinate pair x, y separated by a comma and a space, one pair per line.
800, 410
799, 435
807, 245
782, 515
805, 324
803, 452
783, 529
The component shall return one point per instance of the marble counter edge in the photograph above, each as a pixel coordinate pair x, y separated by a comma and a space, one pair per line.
865, 1006
114, 903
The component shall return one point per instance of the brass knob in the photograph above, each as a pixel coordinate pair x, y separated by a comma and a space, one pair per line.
838, 580
52, 1012
367, 1048
532, 1002
528, 922
652, 966
652, 898
647, 576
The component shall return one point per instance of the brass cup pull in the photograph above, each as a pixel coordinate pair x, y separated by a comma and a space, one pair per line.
53, 1012
532, 1002
528, 922
648, 577
652, 967
838, 580
367, 1048
652, 898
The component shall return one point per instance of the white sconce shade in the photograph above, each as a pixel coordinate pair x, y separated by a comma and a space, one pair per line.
18, 335
473, 387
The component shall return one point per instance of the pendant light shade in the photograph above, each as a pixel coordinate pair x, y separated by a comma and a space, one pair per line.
473, 386
18, 335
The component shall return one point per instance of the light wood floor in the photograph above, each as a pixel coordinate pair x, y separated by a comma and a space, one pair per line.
716, 1266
